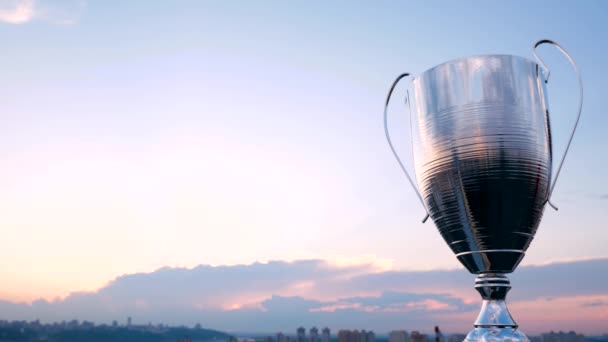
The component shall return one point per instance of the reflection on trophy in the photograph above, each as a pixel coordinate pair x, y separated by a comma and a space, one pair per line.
482, 158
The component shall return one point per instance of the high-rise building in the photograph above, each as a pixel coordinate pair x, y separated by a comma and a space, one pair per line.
355, 336
129, 321
326, 336
562, 337
268, 339
400, 336
370, 337
345, 336
314, 334
301, 335
418, 337
280, 337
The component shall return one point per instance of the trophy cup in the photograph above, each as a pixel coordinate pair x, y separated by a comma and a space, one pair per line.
481, 139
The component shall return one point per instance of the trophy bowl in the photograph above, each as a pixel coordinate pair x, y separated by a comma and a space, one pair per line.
483, 158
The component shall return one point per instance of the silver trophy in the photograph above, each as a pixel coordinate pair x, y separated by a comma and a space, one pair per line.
482, 157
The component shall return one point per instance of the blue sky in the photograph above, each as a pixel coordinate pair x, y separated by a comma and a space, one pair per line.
147, 134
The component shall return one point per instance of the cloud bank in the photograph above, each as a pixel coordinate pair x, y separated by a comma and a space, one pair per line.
64, 12
16, 11
279, 296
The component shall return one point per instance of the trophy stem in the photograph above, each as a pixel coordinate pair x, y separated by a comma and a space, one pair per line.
494, 322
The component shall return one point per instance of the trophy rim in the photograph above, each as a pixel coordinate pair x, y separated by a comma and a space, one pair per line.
460, 59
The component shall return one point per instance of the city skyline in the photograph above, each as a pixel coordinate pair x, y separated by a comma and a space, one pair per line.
202, 139
342, 335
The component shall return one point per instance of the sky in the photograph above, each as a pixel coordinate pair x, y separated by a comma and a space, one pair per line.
141, 136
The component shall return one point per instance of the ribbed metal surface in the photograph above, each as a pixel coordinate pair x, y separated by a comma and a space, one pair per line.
483, 156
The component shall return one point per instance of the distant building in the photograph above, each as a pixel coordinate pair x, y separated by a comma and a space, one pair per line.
401, 336
326, 336
287, 338
280, 337
73, 324
345, 336
232, 339
371, 337
301, 335
418, 337
562, 337
268, 339
314, 334
355, 336
129, 321
87, 325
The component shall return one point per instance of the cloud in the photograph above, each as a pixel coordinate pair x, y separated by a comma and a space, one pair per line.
595, 303
280, 295
65, 12
16, 11
403, 302
578, 277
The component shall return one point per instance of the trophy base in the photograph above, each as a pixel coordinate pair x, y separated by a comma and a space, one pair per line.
496, 334
494, 323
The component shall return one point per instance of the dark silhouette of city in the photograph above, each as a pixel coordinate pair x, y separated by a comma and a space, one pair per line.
85, 331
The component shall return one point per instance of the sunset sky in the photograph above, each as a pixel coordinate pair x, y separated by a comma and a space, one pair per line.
142, 135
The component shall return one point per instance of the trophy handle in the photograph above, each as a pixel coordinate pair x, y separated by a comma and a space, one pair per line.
580, 103
390, 143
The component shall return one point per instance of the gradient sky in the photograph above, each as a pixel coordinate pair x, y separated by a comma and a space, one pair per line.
143, 134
